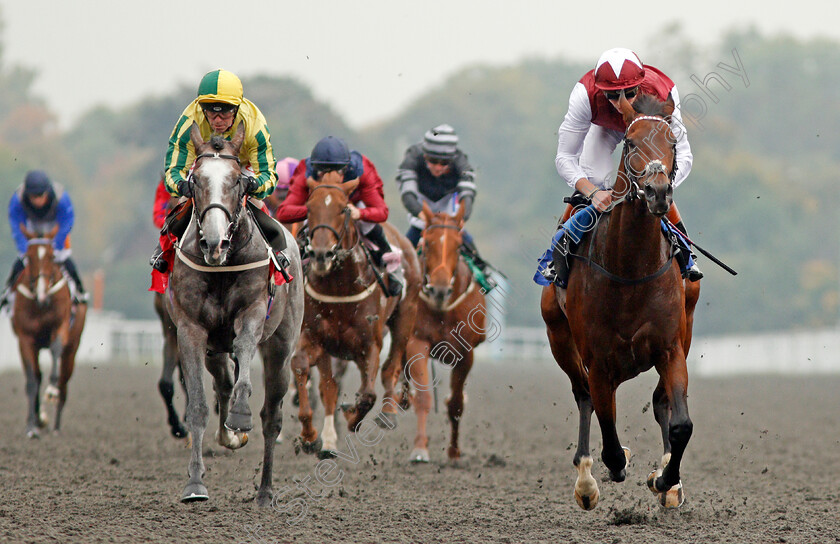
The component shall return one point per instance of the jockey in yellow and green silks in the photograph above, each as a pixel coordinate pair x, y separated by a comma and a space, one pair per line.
219, 108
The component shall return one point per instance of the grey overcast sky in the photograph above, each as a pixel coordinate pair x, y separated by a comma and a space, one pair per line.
366, 58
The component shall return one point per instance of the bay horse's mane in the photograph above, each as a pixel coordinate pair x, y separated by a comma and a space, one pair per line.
647, 104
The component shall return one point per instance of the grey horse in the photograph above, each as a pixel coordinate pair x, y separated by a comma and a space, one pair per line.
224, 303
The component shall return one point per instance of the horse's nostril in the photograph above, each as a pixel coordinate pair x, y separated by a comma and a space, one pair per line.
225, 244
203, 244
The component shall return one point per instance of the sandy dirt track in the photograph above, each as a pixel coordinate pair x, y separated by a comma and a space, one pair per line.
762, 466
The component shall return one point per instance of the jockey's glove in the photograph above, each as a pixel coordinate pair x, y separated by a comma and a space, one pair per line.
467, 203
411, 203
251, 184
185, 188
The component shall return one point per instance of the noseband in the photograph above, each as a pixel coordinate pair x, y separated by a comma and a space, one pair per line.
338, 253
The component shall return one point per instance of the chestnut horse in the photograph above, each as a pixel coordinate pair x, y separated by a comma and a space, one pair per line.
346, 312
452, 304
627, 309
44, 318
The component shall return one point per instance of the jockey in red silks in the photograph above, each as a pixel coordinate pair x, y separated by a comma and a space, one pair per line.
39, 205
590, 132
367, 202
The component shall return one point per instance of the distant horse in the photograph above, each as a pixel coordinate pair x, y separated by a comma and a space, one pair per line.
346, 314
627, 309
44, 318
223, 301
451, 301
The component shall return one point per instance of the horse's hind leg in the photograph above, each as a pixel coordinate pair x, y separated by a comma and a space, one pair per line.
276, 352
221, 367
166, 386
455, 403
666, 481
67, 365
366, 397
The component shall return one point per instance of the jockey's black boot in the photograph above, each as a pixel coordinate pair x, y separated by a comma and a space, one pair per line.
560, 259
176, 223
80, 296
17, 268
272, 232
693, 273
396, 279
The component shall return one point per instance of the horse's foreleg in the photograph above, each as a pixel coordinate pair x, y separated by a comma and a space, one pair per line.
191, 344
276, 352
602, 391
666, 481
248, 330
309, 441
417, 373
221, 367
52, 393
329, 397
366, 397
67, 365
32, 372
455, 403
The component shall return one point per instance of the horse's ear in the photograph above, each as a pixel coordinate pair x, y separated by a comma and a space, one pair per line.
195, 136
459, 216
349, 186
311, 183
426, 213
626, 109
238, 138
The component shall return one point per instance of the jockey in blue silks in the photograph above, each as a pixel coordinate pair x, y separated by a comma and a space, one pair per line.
40, 205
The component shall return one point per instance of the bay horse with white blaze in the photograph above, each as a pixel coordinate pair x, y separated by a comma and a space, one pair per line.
628, 310
44, 318
346, 314
224, 302
451, 304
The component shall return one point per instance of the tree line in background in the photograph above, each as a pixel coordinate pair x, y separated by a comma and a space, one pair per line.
759, 195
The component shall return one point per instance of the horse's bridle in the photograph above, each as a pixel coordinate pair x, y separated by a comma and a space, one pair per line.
652, 167
426, 285
336, 252
232, 217
33, 278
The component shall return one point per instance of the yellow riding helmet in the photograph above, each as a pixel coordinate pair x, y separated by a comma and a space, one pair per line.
220, 86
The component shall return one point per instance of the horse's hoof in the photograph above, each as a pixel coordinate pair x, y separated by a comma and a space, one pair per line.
346, 407
43, 420
651, 481
238, 422
453, 453
326, 454
419, 455
279, 439
674, 497
386, 420
264, 498
587, 502
33, 433
308, 447
194, 492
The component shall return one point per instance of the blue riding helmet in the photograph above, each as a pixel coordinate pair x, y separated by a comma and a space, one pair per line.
36, 183
330, 151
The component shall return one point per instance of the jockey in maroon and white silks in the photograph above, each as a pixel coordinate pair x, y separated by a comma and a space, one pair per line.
593, 127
